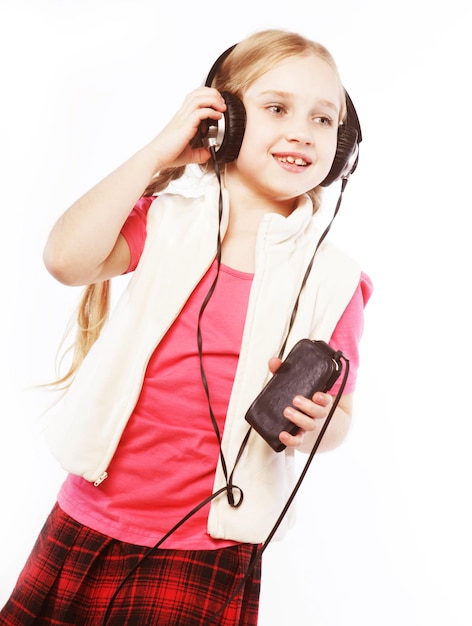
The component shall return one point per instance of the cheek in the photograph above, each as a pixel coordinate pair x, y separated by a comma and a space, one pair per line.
253, 134
331, 144
254, 145
326, 152
329, 151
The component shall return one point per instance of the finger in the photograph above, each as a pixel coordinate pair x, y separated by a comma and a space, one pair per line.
322, 399
292, 441
274, 364
206, 101
317, 407
304, 421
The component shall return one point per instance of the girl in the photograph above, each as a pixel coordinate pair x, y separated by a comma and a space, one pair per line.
152, 424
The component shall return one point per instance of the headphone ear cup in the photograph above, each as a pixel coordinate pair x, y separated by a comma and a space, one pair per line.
345, 159
235, 125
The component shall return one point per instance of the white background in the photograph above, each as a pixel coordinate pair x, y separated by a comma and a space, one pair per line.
385, 521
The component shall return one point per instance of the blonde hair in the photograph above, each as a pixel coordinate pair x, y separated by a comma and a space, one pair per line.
249, 59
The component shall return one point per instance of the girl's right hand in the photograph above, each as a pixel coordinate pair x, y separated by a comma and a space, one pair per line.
84, 245
172, 145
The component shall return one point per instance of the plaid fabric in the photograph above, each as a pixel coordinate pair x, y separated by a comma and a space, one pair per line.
73, 573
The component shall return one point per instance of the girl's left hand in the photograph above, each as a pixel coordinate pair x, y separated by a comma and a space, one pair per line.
306, 413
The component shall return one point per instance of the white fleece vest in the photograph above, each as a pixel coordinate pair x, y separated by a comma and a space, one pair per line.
180, 246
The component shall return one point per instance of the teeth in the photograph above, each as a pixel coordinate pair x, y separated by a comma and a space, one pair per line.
293, 160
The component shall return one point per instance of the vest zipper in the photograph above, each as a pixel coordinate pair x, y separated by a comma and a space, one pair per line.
100, 479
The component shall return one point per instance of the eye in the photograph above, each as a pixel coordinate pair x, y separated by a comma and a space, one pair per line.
276, 109
323, 120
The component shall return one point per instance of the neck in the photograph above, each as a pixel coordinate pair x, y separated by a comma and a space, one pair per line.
246, 211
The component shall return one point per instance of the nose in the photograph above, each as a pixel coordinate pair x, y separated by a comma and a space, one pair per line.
300, 130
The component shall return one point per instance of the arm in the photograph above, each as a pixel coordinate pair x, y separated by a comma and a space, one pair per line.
85, 245
312, 413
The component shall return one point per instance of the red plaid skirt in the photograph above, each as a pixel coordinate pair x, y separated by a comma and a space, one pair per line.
73, 574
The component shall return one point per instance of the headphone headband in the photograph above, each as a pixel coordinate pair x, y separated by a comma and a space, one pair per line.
216, 65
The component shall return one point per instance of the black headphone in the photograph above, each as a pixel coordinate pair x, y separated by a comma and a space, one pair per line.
226, 135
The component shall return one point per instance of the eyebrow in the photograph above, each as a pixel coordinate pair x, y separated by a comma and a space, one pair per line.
287, 94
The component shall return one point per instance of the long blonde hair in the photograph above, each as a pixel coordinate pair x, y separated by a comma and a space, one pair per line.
249, 59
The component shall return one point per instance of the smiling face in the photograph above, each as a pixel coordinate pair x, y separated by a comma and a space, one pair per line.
293, 112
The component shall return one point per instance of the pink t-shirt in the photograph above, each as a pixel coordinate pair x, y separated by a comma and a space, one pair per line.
166, 460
